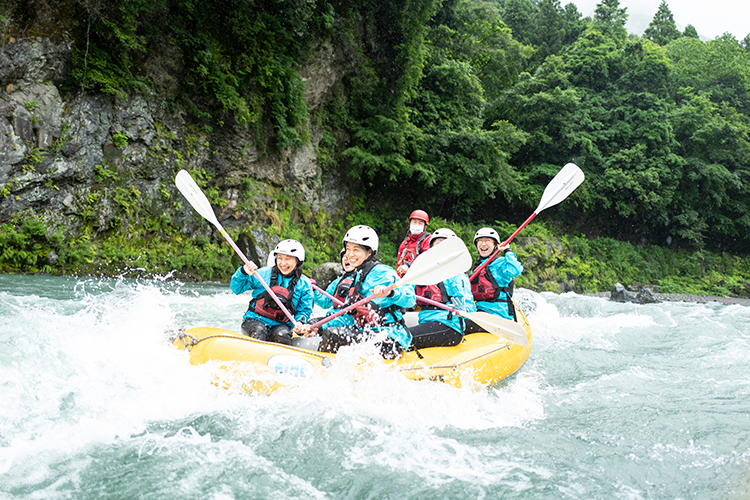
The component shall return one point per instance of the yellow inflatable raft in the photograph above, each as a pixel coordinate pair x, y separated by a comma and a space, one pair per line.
265, 366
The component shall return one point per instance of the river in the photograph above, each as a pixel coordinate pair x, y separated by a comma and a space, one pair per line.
616, 401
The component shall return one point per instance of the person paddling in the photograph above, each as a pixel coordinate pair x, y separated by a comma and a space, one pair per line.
380, 318
264, 320
492, 288
417, 240
438, 327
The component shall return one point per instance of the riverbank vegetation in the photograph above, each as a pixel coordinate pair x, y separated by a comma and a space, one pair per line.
465, 108
554, 260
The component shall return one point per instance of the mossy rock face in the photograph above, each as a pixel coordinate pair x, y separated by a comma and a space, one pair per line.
324, 274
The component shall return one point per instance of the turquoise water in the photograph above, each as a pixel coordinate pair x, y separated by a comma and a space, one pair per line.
616, 401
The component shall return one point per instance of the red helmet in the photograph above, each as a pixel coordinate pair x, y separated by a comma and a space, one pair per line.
420, 215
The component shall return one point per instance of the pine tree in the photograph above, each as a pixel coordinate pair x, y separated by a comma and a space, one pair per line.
610, 18
549, 29
662, 28
574, 22
517, 16
690, 32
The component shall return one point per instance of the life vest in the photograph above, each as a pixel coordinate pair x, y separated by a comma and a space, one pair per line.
265, 306
437, 293
412, 249
342, 289
369, 314
484, 288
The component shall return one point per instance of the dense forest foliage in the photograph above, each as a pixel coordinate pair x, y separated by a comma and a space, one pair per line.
466, 108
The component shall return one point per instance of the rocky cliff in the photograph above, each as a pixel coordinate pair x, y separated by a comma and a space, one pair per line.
101, 168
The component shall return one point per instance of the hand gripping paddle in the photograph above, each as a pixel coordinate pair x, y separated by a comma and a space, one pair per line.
200, 203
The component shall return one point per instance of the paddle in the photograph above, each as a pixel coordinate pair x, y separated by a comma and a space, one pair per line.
495, 325
200, 203
491, 323
333, 299
564, 183
433, 266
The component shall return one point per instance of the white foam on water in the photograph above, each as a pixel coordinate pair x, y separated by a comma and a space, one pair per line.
92, 372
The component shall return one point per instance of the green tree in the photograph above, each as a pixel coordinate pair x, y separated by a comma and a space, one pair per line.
604, 102
549, 30
720, 67
610, 18
442, 153
690, 32
547, 107
518, 15
574, 22
483, 40
714, 196
662, 28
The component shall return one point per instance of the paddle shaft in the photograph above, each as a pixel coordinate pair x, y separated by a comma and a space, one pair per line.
193, 193
351, 307
435, 303
419, 299
425, 300
333, 299
257, 276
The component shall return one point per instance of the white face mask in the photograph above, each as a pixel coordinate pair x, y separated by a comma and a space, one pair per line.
416, 228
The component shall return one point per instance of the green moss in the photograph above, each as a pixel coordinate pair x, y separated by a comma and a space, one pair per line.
120, 139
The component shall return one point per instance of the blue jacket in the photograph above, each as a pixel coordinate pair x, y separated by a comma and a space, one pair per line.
302, 298
459, 290
503, 269
323, 301
403, 296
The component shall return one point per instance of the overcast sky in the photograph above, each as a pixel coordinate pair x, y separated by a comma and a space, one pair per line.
711, 18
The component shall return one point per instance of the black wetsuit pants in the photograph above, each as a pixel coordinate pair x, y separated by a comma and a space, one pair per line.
281, 334
338, 336
472, 327
434, 334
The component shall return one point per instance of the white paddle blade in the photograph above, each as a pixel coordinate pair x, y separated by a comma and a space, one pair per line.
195, 196
499, 326
443, 261
565, 182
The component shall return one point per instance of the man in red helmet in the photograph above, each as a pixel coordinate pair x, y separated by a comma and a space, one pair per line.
415, 242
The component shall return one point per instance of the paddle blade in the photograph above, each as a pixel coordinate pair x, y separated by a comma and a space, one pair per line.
195, 196
443, 261
565, 182
499, 326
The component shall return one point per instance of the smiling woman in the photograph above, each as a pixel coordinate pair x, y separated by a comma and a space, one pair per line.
265, 318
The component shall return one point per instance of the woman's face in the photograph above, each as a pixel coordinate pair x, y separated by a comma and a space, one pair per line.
485, 246
356, 254
286, 264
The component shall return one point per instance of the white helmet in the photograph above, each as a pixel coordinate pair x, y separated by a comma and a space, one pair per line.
271, 259
293, 248
362, 235
486, 232
443, 232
